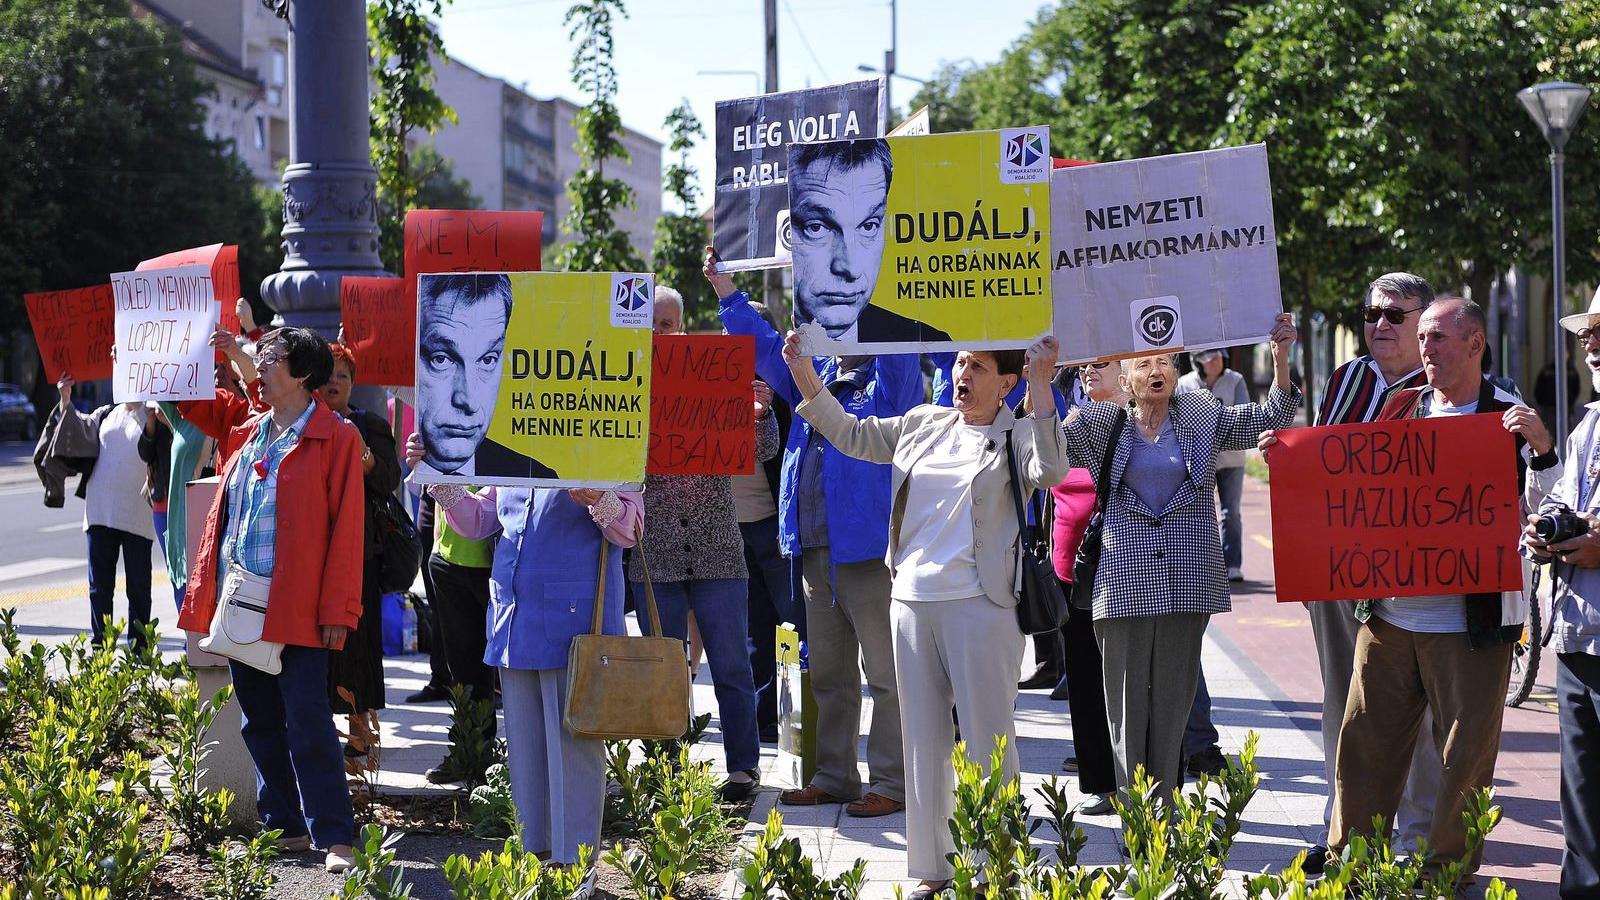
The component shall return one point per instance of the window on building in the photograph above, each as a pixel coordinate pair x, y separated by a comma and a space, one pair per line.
261, 132
277, 76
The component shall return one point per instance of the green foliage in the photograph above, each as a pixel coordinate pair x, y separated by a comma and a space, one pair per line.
200, 815
374, 873
593, 242
778, 867
473, 748
493, 813
681, 236
243, 868
686, 833
404, 46
989, 825
512, 874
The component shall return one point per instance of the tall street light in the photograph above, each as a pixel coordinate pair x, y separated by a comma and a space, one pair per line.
1556, 107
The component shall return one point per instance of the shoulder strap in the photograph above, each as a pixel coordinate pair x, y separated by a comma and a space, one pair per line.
1016, 488
1102, 487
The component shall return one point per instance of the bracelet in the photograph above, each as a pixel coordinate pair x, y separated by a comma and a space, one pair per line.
607, 510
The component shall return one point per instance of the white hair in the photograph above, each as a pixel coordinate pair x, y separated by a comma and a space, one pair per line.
665, 293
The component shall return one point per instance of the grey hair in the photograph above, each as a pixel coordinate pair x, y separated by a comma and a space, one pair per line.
665, 293
1467, 313
1126, 365
1403, 285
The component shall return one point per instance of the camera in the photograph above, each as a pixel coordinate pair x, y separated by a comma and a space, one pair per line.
1561, 525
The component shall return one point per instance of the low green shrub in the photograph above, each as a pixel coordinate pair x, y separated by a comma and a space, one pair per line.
687, 832
374, 873
493, 814
243, 868
473, 748
201, 815
778, 867
512, 874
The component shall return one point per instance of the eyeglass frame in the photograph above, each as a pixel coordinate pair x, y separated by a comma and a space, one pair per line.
1372, 314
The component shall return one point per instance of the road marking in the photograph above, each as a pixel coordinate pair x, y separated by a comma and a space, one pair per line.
78, 590
64, 526
1263, 541
29, 568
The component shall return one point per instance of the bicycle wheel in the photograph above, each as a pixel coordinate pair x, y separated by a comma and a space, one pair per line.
1525, 655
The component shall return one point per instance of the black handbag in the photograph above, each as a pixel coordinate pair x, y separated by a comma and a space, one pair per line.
1041, 607
399, 555
1087, 561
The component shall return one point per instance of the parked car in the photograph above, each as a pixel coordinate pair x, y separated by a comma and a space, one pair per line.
17, 416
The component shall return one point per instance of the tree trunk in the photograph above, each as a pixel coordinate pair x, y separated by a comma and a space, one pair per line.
1479, 285
1308, 372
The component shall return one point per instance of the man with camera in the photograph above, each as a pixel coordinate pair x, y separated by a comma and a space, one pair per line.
1564, 532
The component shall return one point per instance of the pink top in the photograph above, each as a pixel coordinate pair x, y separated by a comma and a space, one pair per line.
1074, 505
475, 517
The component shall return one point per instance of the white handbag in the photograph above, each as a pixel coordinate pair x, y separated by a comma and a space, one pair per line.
240, 617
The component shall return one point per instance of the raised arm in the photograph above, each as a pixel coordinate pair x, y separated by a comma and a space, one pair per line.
872, 439
1240, 427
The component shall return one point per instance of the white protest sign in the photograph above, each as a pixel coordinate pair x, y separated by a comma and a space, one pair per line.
1163, 254
164, 322
916, 124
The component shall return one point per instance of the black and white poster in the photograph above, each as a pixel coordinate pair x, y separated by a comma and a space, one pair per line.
751, 210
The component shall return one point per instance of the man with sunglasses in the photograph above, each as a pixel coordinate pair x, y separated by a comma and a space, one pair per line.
1357, 392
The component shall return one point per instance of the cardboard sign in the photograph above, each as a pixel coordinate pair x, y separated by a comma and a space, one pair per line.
164, 322
701, 416
74, 330
467, 240
917, 123
534, 379
379, 327
1395, 509
223, 262
1164, 254
917, 244
750, 212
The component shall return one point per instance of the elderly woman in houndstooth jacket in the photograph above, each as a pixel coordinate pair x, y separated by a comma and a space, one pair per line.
1161, 574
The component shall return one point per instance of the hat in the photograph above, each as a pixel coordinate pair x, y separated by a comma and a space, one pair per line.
1574, 323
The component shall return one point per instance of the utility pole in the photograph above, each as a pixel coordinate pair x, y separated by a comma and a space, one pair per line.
773, 279
888, 66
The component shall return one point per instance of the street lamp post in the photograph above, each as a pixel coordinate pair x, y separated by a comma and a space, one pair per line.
1556, 107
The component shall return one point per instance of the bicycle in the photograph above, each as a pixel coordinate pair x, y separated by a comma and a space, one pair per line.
1525, 654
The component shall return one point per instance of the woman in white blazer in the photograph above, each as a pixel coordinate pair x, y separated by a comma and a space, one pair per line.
953, 559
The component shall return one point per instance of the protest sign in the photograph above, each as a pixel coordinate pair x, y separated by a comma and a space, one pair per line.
379, 328
164, 322
74, 331
467, 240
750, 211
701, 415
917, 124
534, 379
1395, 509
222, 260
911, 244
1162, 254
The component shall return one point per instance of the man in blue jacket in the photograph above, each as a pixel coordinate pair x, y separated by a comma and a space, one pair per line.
834, 526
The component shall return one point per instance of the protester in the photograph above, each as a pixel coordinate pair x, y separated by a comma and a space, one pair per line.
459, 585
116, 515
835, 525
440, 678
696, 561
292, 492
1356, 392
1211, 373
358, 666
189, 459
1450, 654
545, 578
1575, 628
1161, 575
953, 556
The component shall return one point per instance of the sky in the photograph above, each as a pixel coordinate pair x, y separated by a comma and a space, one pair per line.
664, 45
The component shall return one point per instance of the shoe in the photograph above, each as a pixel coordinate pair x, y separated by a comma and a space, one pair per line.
810, 795
1316, 860
1235, 573
1042, 677
300, 843
429, 693
1070, 764
1099, 806
873, 804
739, 791
927, 890
441, 775
586, 889
1207, 762
339, 860
769, 734
1059, 692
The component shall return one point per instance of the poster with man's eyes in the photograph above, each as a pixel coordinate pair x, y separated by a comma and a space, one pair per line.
534, 379
930, 243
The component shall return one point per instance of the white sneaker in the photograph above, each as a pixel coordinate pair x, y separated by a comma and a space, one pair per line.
340, 858
1099, 806
1235, 573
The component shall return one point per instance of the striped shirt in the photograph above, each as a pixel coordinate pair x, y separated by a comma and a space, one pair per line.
1357, 391
253, 495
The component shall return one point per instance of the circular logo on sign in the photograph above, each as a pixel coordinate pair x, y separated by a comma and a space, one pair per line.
1157, 325
785, 235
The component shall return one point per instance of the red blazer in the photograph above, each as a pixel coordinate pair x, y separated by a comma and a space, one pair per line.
316, 579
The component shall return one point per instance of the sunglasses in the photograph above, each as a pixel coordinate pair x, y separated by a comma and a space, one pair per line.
1394, 314
1585, 333
1098, 365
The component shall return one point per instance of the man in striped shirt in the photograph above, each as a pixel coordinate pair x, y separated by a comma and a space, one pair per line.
1356, 392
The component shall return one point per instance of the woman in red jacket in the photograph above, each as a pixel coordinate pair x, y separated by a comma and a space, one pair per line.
292, 510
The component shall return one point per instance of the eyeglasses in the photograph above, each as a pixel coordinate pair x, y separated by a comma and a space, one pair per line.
1098, 365
1394, 314
1585, 333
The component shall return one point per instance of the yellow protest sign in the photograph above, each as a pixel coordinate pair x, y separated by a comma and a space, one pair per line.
534, 379
911, 244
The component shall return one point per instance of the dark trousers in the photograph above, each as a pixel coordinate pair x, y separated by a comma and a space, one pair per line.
105, 544
771, 603
288, 729
461, 602
1578, 697
439, 674
1199, 734
1086, 699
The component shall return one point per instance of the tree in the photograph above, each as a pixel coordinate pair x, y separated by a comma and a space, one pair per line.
438, 187
594, 242
404, 46
681, 236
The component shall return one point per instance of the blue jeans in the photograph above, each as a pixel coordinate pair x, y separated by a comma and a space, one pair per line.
720, 609
771, 603
1230, 488
105, 544
1199, 734
288, 728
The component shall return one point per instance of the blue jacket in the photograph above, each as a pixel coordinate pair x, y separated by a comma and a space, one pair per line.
944, 389
856, 493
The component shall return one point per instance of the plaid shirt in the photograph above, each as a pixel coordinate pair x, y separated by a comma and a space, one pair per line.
253, 496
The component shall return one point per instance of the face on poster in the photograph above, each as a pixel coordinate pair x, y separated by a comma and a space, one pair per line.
914, 244
534, 379
753, 135
164, 322
1162, 254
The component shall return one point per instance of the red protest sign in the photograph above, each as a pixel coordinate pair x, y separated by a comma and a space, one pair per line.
224, 262
378, 328
701, 416
466, 240
1408, 508
74, 330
